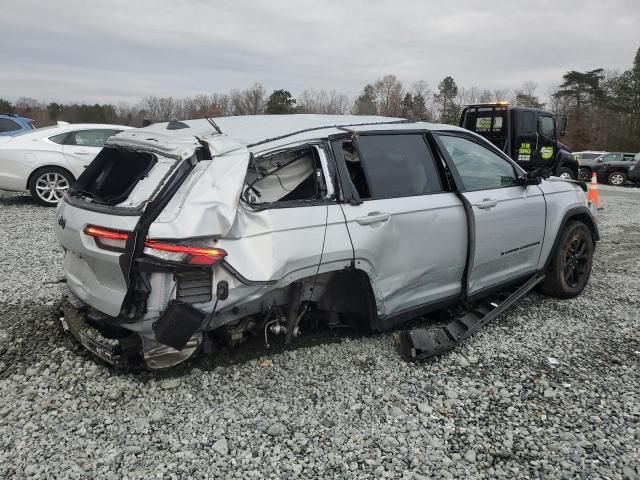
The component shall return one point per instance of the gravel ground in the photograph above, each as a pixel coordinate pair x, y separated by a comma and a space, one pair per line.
549, 390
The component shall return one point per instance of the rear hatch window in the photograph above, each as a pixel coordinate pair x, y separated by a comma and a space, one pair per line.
122, 177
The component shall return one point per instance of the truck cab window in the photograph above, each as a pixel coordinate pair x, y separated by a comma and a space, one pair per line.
547, 127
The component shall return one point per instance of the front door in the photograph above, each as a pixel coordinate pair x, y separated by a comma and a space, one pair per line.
408, 233
547, 146
509, 219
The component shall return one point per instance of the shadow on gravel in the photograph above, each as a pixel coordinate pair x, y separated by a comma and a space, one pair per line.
19, 200
30, 332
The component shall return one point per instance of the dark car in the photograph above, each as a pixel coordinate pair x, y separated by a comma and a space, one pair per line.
613, 168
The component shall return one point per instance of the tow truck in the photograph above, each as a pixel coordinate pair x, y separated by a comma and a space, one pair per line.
528, 135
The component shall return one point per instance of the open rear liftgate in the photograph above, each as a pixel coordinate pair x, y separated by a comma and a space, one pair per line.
426, 342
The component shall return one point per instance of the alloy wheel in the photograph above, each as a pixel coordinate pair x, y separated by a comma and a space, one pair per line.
575, 261
51, 187
616, 179
565, 176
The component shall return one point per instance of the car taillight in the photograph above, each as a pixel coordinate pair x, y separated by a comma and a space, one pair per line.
107, 238
172, 252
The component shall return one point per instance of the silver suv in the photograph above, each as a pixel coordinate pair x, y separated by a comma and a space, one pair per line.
255, 225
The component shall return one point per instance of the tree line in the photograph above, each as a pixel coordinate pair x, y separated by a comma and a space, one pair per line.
603, 107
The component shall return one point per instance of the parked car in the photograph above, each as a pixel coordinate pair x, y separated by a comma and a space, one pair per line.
11, 124
176, 231
585, 160
633, 174
47, 160
612, 168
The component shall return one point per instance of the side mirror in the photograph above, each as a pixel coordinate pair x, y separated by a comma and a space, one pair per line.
563, 125
525, 180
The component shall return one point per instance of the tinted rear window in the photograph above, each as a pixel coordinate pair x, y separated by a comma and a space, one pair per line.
398, 165
7, 125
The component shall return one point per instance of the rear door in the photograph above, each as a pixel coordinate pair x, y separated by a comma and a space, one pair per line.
82, 146
509, 219
408, 233
525, 138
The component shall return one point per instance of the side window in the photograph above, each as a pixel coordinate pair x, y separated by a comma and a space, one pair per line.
60, 138
7, 125
612, 157
479, 167
547, 127
395, 165
90, 138
290, 175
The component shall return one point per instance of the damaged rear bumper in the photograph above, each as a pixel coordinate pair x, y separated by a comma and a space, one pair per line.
120, 352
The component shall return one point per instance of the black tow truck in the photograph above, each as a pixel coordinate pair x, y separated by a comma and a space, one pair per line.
528, 135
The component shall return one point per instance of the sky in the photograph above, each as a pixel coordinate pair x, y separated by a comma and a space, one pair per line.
116, 51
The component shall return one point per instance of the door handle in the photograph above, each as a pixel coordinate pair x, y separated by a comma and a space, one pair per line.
373, 217
486, 203
83, 152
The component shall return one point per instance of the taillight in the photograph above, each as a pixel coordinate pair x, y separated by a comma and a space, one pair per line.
107, 238
171, 252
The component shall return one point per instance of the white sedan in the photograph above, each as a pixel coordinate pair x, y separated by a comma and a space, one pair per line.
47, 161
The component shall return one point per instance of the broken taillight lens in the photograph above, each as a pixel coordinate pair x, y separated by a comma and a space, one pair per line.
174, 252
171, 252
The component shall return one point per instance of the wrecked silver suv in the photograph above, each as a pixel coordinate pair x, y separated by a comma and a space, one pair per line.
180, 232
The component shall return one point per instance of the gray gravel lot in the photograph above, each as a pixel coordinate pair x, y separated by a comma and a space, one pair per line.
549, 390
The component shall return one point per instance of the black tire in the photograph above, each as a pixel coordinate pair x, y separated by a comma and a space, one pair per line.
617, 178
584, 174
564, 172
570, 266
49, 184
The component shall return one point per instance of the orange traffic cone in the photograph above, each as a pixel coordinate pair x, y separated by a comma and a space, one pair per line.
594, 196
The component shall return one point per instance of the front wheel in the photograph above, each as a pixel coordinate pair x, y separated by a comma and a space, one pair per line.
566, 173
570, 265
616, 178
49, 184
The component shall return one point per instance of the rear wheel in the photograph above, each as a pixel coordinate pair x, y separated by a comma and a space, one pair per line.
49, 184
616, 178
566, 173
584, 174
570, 266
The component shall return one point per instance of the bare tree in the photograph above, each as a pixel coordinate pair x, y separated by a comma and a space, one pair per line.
251, 101
331, 103
389, 92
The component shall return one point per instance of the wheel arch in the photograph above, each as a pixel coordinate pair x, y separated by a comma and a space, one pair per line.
581, 214
44, 167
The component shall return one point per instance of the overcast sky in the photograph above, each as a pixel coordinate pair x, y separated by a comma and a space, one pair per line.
122, 50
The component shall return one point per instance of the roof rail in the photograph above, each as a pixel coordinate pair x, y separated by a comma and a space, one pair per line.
291, 134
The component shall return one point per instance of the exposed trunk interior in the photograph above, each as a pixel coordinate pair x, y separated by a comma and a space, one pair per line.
115, 172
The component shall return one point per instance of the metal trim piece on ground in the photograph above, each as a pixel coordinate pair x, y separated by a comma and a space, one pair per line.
426, 342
